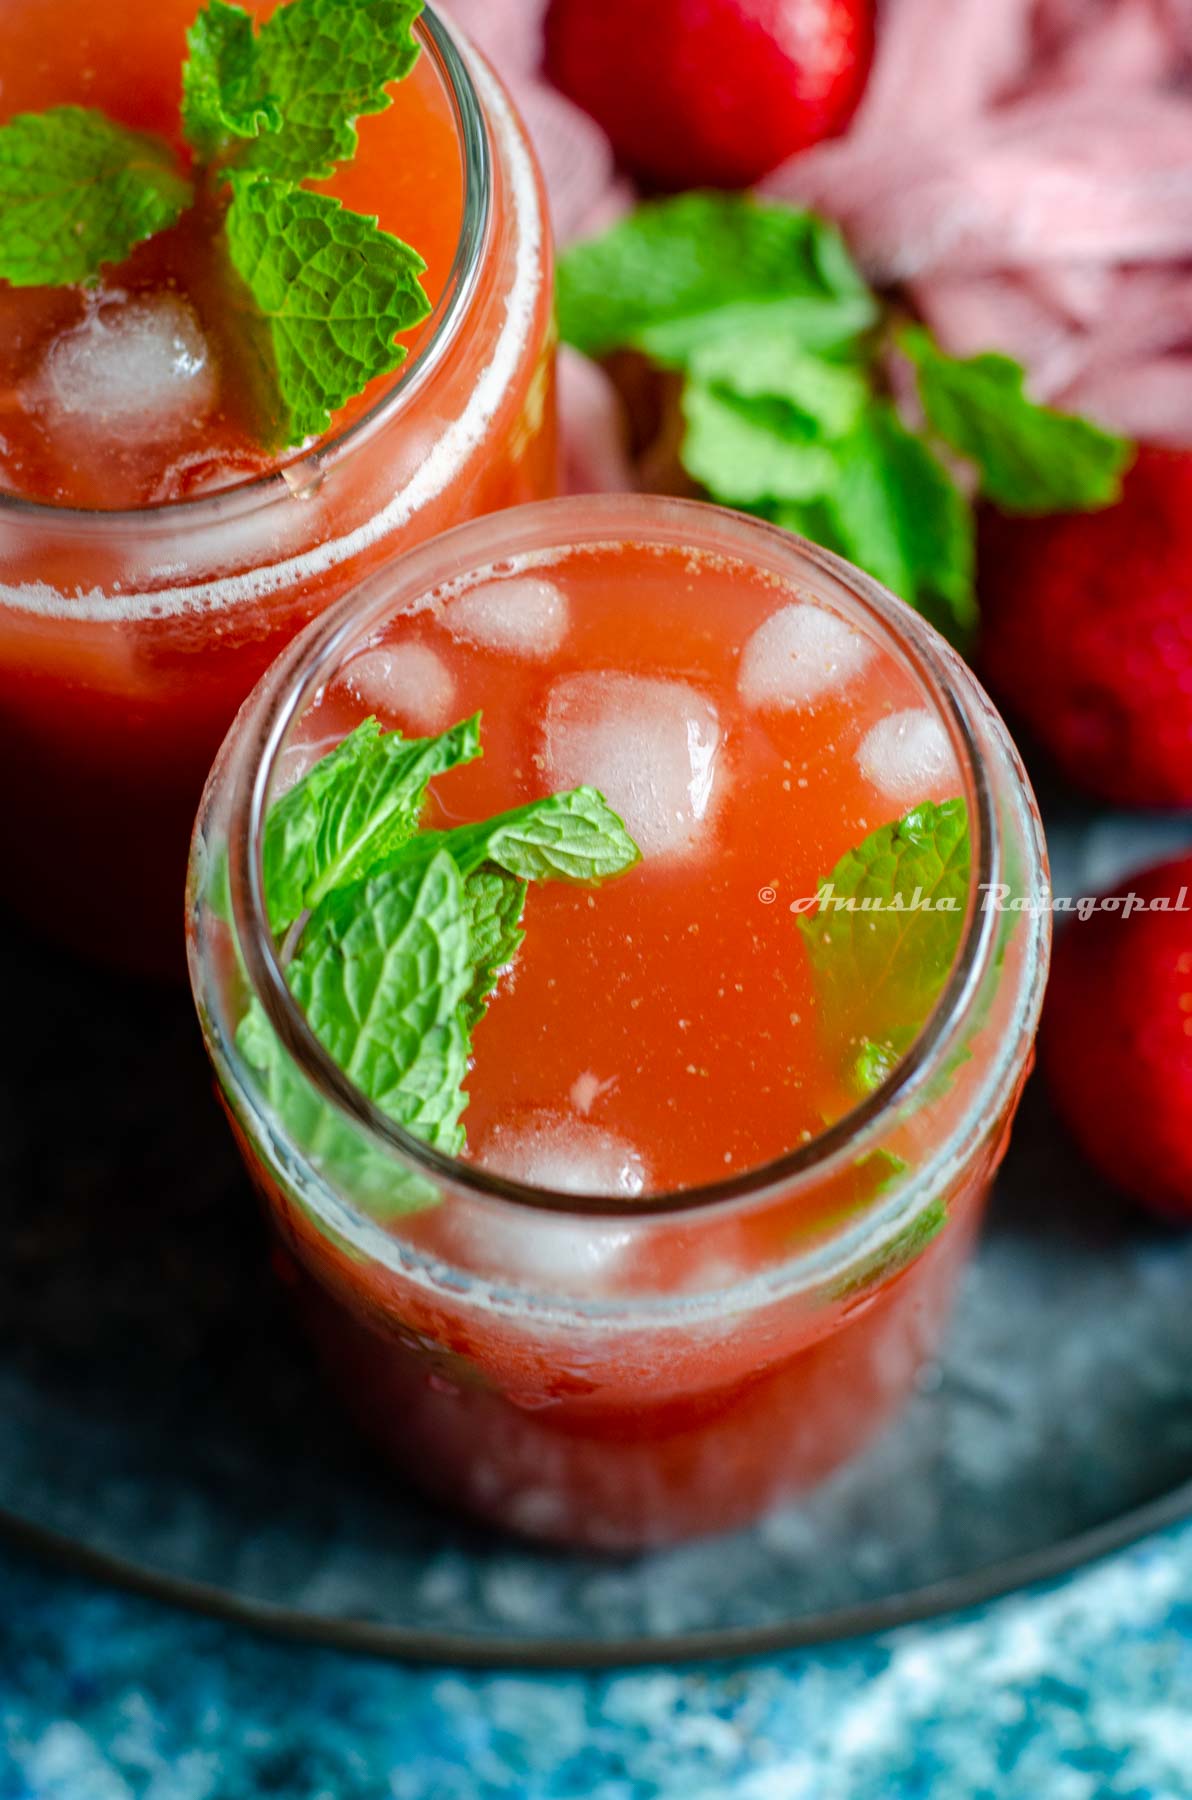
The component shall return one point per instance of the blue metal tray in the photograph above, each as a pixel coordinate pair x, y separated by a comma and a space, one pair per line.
161, 1422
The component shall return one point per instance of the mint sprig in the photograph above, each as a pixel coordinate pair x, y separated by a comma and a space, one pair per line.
351, 810
78, 191
323, 64
892, 508
330, 291
224, 94
884, 936
381, 976
882, 943
495, 903
402, 934
320, 290
898, 1254
1031, 459
786, 357
678, 274
565, 837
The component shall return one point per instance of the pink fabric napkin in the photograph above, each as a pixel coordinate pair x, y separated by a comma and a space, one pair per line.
1024, 167
1021, 168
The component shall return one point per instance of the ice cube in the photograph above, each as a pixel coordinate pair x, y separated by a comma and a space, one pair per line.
799, 654
653, 748
523, 616
407, 682
906, 755
140, 365
553, 1150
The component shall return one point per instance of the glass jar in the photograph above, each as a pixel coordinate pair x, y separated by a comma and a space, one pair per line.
129, 639
621, 1372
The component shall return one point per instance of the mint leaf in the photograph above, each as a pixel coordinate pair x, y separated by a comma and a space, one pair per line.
407, 935
381, 976
351, 811
745, 456
896, 1255
331, 1143
801, 392
678, 273
884, 1167
332, 291
895, 511
495, 904
78, 191
325, 63
1031, 459
224, 96
873, 1063
565, 837
879, 968
762, 416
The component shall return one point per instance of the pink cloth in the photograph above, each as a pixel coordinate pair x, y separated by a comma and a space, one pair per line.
1024, 169
1021, 168
576, 157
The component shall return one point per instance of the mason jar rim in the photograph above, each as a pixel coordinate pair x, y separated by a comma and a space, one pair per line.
584, 523
440, 331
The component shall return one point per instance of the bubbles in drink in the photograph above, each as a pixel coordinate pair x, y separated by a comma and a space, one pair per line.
142, 366
524, 617
653, 748
799, 654
906, 755
556, 1151
407, 685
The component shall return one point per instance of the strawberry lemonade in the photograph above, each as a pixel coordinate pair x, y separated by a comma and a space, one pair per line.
166, 523
621, 1167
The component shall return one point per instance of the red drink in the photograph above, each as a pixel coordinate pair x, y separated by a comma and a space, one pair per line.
674, 1281
150, 572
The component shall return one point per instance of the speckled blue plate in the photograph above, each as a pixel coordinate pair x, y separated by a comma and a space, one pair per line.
160, 1421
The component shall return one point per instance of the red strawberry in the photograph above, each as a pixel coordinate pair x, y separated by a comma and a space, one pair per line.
711, 92
1087, 633
1117, 1042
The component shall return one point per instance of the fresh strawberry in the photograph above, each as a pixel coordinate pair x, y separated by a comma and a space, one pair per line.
1117, 1041
711, 93
1087, 633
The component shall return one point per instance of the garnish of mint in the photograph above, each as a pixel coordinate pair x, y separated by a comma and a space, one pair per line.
884, 936
78, 190
322, 292
395, 938
882, 943
901, 1250
789, 368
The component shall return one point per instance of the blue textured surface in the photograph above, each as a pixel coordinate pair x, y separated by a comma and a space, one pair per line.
1080, 1692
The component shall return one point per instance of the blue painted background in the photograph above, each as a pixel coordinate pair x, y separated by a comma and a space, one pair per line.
1079, 1692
